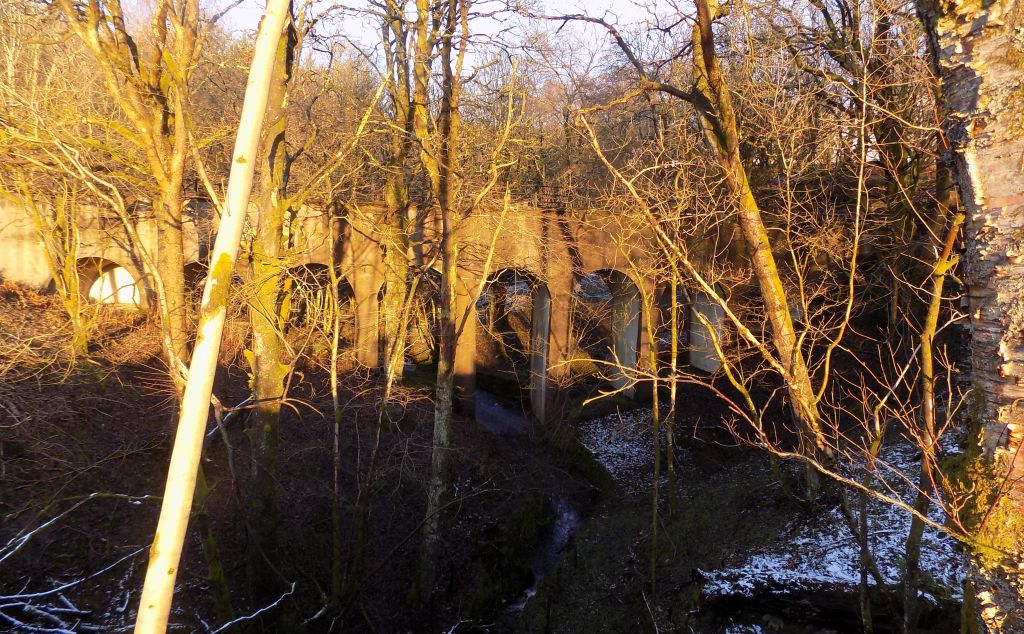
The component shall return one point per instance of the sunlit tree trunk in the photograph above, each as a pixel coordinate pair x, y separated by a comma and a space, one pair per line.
720, 123
711, 98
170, 261
396, 191
438, 152
267, 360
444, 407
927, 437
981, 54
673, 391
165, 555
337, 542
426, 27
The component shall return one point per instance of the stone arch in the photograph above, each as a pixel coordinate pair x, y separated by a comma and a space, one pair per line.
309, 300
107, 281
705, 313
195, 282
663, 322
505, 316
423, 326
514, 317
608, 324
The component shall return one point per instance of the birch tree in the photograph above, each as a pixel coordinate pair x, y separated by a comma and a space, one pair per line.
980, 53
165, 555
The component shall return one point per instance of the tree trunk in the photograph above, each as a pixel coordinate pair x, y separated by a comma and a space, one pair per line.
397, 236
268, 365
673, 392
723, 132
165, 555
926, 433
444, 406
439, 155
170, 262
981, 54
650, 305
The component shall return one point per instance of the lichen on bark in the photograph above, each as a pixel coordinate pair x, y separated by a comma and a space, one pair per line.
980, 46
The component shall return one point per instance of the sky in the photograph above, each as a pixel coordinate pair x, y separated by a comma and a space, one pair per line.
246, 17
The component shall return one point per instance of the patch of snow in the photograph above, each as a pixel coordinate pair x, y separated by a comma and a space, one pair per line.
822, 551
623, 442
519, 288
592, 288
811, 552
752, 628
951, 443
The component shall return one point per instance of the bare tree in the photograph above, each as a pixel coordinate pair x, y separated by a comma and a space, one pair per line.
710, 96
165, 556
148, 80
266, 315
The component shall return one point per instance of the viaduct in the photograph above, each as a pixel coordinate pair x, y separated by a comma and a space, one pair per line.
551, 250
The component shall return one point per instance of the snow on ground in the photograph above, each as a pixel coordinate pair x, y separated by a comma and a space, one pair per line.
812, 551
822, 551
623, 443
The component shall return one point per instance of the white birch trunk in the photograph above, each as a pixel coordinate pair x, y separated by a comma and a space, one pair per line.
981, 52
165, 555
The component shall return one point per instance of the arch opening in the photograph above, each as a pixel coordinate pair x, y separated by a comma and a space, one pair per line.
505, 316
107, 282
309, 301
195, 283
511, 347
424, 319
664, 306
606, 326
700, 322
706, 323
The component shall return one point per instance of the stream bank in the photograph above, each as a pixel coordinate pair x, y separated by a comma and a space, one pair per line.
727, 516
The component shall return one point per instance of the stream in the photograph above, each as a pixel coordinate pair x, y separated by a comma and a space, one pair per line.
553, 542
502, 420
744, 562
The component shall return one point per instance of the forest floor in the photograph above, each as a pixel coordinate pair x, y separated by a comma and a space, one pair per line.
547, 530
733, 552
84, 445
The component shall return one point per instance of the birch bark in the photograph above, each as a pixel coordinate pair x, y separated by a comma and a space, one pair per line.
165, 555
980, 47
